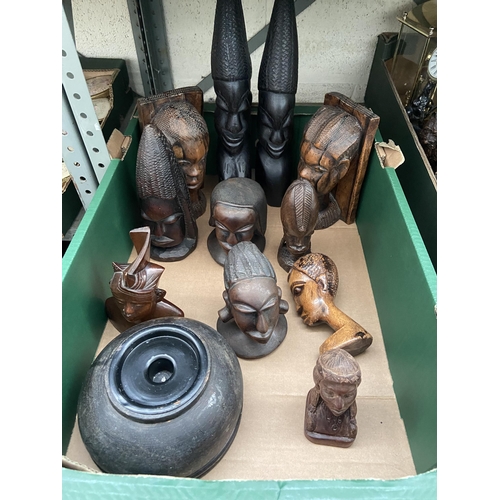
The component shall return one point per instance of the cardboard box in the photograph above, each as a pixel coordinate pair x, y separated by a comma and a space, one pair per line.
387, 284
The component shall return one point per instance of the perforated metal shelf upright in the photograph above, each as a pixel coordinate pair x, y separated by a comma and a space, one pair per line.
84, 149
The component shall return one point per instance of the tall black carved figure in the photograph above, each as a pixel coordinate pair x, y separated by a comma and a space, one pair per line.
231, 72
164, 198
277, 85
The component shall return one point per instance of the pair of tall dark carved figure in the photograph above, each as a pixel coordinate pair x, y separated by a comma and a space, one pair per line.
277, 84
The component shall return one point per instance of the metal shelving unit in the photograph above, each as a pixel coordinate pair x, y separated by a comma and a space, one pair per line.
84, 149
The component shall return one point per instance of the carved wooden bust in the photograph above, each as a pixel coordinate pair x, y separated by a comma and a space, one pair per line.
313, 281
330, 143
187, 134
330, 416
277, 85
252, 320
238, 212
299, 214
231, 72
164, 198
136, 296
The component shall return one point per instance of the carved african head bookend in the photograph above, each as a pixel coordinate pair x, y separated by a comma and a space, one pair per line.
252, 320
231, 72
313, 281
164, 198
136, 296
330, 142
187, 134
299, 214
238, 212
277, 85
330, 415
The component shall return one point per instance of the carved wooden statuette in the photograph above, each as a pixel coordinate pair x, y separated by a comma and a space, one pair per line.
253, 320
164, 198
238, 211
330, 416
313, 281
187, 134
333, 156
299, 214
277, 85
136, 296
231, 72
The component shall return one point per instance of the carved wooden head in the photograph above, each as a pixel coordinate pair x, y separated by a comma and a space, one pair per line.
331, 140
311, 278
299, 213
337, 376
252, 295
238, 211
187, 134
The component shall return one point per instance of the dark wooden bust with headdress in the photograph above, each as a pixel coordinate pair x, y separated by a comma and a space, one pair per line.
334, 152
330, 415
231, 72
136, 296
252, 320
277, 85
313, 281
164, 198
299, 213
238, 212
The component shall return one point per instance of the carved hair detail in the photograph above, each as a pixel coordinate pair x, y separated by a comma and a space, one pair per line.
180, 120
244, 261
280, 59
334, 131
321, 269
337, 365
300, 199
230, 58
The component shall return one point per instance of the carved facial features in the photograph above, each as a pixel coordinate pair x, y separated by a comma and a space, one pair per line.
232, 113
255, 306
338, 397
134, 312
192, 157
320, 168
233, 224
275, 115
165, 219
308, 297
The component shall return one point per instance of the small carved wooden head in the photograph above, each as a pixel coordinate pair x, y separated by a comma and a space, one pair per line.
252, 295
336, 377
238, 211
299, 213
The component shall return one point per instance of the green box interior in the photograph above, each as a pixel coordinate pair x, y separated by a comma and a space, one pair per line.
403, 280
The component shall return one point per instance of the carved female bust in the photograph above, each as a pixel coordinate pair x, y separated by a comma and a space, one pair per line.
252, 320
136, 296
231, 72
238, 212
330, 416
313, 281
299, 213
164, 199
330, 142
187, 134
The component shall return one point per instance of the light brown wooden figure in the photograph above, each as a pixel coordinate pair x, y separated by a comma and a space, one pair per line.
313, 281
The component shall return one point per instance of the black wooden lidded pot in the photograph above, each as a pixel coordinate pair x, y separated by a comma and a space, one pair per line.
163, 398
